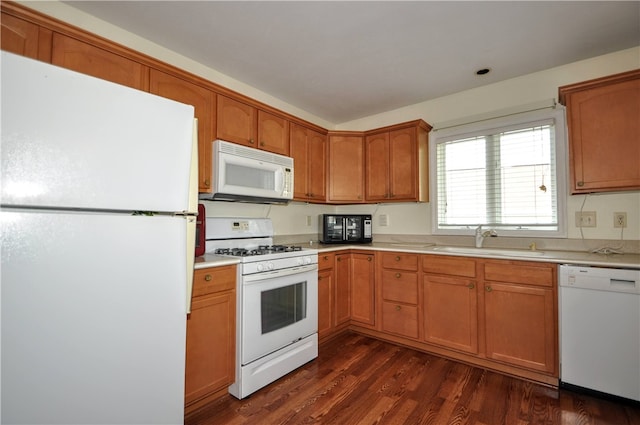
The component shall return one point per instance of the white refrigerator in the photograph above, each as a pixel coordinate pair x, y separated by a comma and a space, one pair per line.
98, 213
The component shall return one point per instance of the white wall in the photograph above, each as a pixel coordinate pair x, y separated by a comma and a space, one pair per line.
407, 219
513, 93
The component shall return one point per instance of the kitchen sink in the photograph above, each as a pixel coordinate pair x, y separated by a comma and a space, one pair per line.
489, 251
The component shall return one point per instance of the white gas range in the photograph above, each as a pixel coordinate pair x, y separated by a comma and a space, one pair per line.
277, 301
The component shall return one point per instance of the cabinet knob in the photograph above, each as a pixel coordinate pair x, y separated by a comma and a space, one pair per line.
208, 278
207, 183
488, 288
251, 141
580, 184
398, 258
471, 286
325, 258
261, 143
339, 259
398, 275
398, 308
369, 259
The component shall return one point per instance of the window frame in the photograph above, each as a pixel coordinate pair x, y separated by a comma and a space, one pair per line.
483, 127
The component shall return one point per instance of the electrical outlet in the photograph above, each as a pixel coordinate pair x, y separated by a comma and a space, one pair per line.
308, 220
619, 219
383, 220
586, 219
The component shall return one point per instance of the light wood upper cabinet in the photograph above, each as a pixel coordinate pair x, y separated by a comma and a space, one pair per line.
25, 38
247, 125
88, 59
273, 133
308, 150
397, 163
603, 118
346, 168
203, 101
236, 122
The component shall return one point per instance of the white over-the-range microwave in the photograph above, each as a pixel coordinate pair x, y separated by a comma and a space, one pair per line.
244, 174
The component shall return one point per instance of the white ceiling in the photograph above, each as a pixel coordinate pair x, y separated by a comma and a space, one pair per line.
345, 60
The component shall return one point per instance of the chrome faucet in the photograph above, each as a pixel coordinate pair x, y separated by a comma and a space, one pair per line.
480, 235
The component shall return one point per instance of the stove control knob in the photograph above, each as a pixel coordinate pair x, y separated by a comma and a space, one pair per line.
299, 261
307, 260
260, 267
270, 266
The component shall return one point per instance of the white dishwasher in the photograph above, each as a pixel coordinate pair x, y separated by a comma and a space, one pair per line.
600, 330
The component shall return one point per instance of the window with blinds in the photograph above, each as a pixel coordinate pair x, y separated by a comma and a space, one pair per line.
501, 174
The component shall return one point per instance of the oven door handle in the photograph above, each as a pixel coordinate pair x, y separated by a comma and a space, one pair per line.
279, 273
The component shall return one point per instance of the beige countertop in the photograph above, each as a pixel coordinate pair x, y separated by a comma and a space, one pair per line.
547, 256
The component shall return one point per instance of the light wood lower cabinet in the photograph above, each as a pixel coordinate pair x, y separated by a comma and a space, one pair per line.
520, 314
450, 303
399, 294
210, 351
326, 295
342, 312
363, 288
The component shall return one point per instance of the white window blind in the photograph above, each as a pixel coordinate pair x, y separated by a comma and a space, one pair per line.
503, 177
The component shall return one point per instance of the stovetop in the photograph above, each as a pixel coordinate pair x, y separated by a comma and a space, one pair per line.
260, 250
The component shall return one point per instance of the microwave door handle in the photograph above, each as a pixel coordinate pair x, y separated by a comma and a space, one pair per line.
344, 228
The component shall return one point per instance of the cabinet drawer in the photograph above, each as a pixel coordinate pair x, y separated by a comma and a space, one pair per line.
517, 272
400, 261
400, 319
214, 279
325, 260
455, 266
400, 286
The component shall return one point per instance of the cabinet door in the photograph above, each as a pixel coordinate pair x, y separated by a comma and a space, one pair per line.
325, 302
402, 165
210, 352
25, 38
346, 169
604, 137
363, 288
78, 56
273, 133
377, 167
299, 150
317, 166
342, 289
203, 100
236, 122
451, 312
519, 325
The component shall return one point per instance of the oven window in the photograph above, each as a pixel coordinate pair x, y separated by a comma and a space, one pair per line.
284, 306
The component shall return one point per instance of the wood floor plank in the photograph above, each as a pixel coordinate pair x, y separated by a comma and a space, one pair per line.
360, 380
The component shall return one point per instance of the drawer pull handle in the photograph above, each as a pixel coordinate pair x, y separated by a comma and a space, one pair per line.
471, 286
398, 275
369, 259
489, 289
326, 257
208, 278
398, 308
398, 258
580, 184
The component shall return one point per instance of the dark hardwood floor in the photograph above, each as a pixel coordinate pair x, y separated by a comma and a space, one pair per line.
359, 380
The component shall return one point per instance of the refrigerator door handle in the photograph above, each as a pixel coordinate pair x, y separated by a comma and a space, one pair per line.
191, 244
